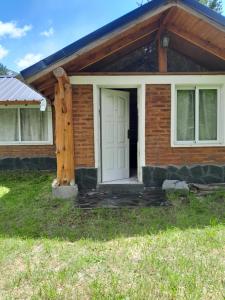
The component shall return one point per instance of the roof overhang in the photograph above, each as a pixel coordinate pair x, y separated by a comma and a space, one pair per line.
113, 29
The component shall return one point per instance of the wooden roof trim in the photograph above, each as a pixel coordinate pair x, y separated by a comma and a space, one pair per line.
200, 16
120, 54
99, 42
171, 7
209, 47
151, 30
117, 25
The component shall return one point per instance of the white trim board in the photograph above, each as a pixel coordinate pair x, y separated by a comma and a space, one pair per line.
135, 80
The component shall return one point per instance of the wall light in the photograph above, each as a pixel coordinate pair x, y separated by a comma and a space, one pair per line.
165, 40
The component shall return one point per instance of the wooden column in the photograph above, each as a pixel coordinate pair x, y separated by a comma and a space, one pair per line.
162, 56
64, 129
162, 52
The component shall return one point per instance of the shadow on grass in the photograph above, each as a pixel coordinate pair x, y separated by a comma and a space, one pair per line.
27, 210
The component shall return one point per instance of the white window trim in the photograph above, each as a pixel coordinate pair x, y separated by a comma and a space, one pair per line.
22, 143
220, 117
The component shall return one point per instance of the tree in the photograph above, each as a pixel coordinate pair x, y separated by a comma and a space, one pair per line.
216, 5
3, 70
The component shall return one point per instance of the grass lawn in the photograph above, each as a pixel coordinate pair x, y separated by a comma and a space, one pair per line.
50, 250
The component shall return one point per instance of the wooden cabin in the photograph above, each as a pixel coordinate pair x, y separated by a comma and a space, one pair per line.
139, 100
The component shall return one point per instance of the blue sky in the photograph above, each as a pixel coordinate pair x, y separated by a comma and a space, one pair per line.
33, 29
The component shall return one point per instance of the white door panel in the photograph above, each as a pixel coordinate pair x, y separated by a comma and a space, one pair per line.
115, 142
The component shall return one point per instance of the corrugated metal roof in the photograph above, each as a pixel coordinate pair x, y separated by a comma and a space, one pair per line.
12, 89
131, 16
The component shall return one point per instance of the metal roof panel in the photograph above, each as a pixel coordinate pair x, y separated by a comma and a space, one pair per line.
12, 89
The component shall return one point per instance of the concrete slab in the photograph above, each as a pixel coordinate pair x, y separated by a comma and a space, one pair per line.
175, 185
120, 188
65, 192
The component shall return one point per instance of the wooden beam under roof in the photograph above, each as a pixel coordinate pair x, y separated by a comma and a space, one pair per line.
203, 44
117, 44
162, 52
162, 57
198, 55
119, 55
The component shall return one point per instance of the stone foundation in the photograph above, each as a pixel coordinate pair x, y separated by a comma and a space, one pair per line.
31, 163
154, 175
86, 178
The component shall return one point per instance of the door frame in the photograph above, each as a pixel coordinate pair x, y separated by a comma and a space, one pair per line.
141, 124
126, 126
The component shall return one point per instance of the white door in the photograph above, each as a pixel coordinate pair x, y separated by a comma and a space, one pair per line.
115, 140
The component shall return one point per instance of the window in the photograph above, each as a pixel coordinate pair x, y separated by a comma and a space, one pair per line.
25, 125
197, 117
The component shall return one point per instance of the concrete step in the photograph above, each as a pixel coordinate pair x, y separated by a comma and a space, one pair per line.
120, 188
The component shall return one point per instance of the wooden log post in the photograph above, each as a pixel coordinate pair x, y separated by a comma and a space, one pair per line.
64, 129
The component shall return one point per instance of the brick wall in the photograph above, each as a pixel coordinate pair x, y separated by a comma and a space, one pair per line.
158, 149
83, 125
27, 151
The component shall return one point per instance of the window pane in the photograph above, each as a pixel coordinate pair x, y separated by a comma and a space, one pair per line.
34, 124
9, 125
185, 115
207, 115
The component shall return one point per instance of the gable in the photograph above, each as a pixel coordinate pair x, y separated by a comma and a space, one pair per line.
185, 20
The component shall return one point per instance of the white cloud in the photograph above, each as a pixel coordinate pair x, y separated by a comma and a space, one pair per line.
3, 52
28, 60
10, 29
48, 33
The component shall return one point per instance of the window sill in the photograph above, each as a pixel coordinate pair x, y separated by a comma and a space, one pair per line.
197, 145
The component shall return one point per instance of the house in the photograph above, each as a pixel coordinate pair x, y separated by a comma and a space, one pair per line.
142, 98
26, 127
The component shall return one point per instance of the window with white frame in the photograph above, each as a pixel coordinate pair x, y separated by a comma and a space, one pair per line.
25, 125
197, 111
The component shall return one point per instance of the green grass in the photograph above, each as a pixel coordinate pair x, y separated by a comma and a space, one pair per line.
50, 250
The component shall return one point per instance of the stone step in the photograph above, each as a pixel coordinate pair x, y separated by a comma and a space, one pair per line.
120, 188
146, 198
